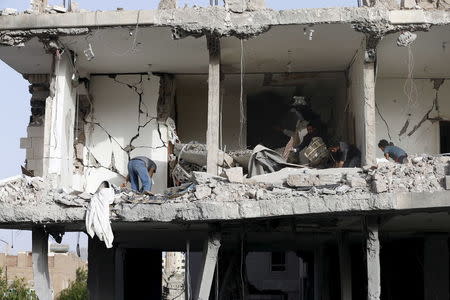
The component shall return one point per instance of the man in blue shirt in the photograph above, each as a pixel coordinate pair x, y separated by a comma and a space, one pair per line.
141, 168
345, 155
390, 151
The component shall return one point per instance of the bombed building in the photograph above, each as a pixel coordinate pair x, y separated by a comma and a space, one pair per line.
210, 95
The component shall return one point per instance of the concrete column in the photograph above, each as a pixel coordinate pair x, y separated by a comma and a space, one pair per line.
370, 133
42, 283
436, 267
373, 260
209, 261
345, 266
212, 134
101, 270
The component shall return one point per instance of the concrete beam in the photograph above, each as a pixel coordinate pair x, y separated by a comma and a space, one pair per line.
42, 283
209, 262
373, 259
436, 267
212, 133
49, 212
215, 19
345, 266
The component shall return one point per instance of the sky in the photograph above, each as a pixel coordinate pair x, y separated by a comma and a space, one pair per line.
15, 109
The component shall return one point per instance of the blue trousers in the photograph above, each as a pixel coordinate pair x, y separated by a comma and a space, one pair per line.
138, 171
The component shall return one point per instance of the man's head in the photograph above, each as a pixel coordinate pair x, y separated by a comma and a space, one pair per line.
335, 147
311, 128
383, 144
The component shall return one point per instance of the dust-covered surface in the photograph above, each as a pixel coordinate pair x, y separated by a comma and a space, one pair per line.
417, 185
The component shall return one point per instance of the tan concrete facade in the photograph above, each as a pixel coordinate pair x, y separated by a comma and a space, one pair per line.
62, 268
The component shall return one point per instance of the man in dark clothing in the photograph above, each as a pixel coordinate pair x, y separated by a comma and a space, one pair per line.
143, 168
345, 155
312, 133
390, 151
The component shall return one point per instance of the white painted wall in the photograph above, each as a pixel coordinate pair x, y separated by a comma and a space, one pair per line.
396, 107
116, 109
58, 145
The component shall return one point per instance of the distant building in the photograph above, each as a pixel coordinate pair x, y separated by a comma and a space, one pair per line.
62, 267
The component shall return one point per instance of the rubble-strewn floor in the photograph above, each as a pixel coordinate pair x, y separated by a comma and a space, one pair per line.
390, 186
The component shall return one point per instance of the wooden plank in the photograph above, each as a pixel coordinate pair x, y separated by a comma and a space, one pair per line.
212, 134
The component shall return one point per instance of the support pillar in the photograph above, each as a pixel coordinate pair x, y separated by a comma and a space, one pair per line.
436, 267
42, 283
345, 266
373, 259
370, 133
101, 270
209, 261
212, 134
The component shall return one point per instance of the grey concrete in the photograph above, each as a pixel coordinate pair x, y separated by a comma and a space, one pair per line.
101, 268
436, 267
24, 216
345, 266
373, 259
369, 150
212, 133
42, 283
209, 261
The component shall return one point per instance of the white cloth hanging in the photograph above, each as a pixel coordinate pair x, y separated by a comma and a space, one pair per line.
97, 216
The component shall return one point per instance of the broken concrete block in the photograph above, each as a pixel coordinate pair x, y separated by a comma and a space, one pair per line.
29, 153
256, 4
379, 186
447, 182
9, 12
205, 178
237, 6
356, 182
408, 4
427, 4
444, 4
235, 174
25, 143
167, 4
202, 191
35, 131
59, 9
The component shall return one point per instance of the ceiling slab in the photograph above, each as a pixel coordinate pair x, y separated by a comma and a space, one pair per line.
429, 56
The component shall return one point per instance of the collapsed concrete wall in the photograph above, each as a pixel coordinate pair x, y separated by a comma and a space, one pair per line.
122, 124
34, 142
411, 120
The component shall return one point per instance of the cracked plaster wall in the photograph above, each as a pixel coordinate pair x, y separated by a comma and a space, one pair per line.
402, 114
192, 104
124, 113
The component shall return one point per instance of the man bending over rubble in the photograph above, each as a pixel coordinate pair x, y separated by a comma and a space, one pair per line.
345, 155
390, 151
141, 168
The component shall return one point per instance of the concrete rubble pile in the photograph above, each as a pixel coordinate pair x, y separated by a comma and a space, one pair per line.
422, 174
